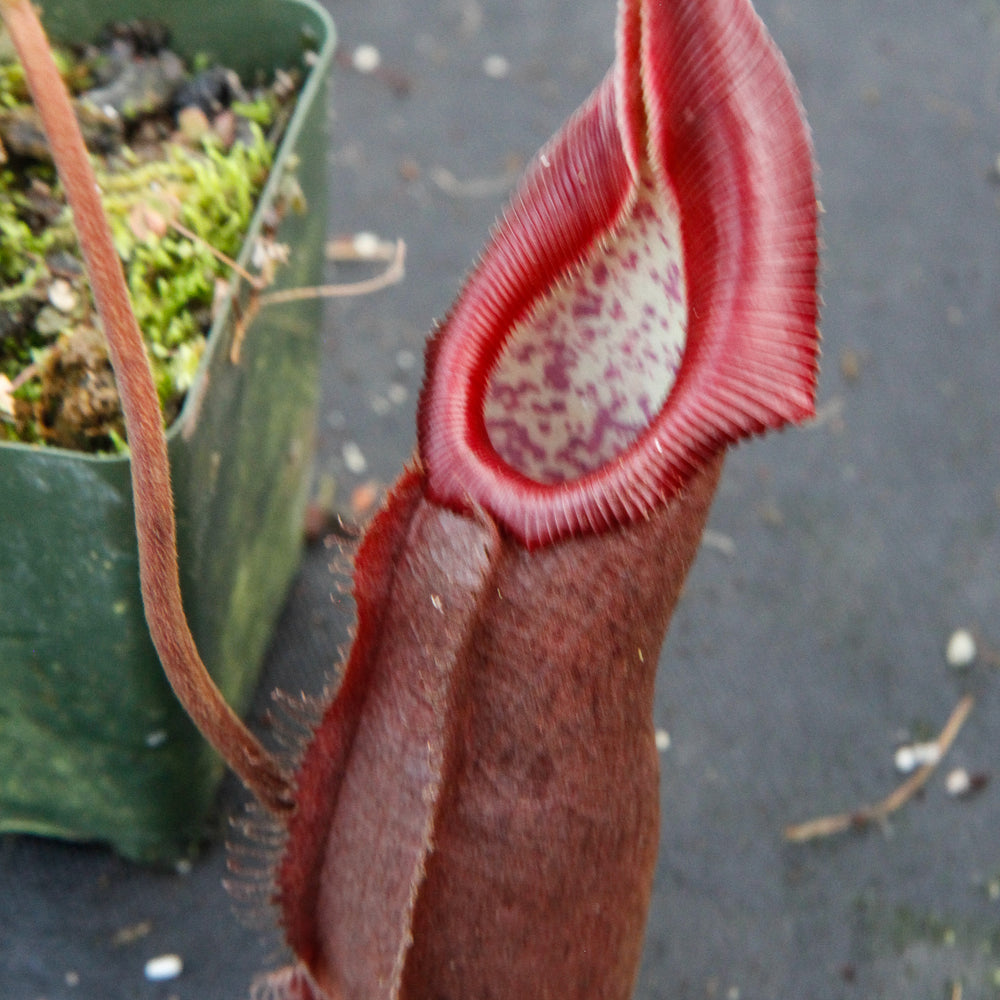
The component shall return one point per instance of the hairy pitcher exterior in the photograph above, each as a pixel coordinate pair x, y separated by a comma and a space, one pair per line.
477, 814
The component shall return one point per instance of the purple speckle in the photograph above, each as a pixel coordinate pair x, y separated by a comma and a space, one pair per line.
585, 373
587, 305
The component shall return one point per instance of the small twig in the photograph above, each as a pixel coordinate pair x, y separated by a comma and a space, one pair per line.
254, 281
363, 247
393, 274
9, 386
258, 299
826, 826
24, 376
482, 187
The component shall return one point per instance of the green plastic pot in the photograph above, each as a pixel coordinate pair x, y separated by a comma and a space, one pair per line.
93, 744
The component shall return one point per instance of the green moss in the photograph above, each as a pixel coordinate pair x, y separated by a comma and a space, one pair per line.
172, 278
14, 88
23, 248
204, 187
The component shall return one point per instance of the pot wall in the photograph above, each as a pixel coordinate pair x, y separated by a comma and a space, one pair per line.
93, 744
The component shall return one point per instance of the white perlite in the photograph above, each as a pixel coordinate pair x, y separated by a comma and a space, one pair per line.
366, 59
961, 649
163, 967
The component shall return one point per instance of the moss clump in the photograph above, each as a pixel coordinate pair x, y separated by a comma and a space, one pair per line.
193, 161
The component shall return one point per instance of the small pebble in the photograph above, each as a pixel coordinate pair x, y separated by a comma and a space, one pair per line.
662, 740
405, 359
366, 59
193, 124
163, 967
398, 394
366, 245
50, 321
61, 295
131, 933
961, 649
909, 758
409, 169
958, 782
147, 223
363, 498
496, 67
722, 543
354, 458
850, 364
156, 738
6, 397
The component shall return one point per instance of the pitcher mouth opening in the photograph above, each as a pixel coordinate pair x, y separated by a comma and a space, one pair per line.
648, 298
583, 375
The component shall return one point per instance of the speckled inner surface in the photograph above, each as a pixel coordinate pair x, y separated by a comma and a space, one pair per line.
591, 365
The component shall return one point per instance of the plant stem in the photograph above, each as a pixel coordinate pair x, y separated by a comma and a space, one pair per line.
153, 499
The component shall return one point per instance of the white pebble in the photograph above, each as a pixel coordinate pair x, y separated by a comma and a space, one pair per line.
405, 359
398, 394
365, 245
366, 59
961, 650
958, 782
722, 543
909, 758
354, 458
380, 405
62, 296
163, 967
662, 740
496, 67
156, 738
6, 399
